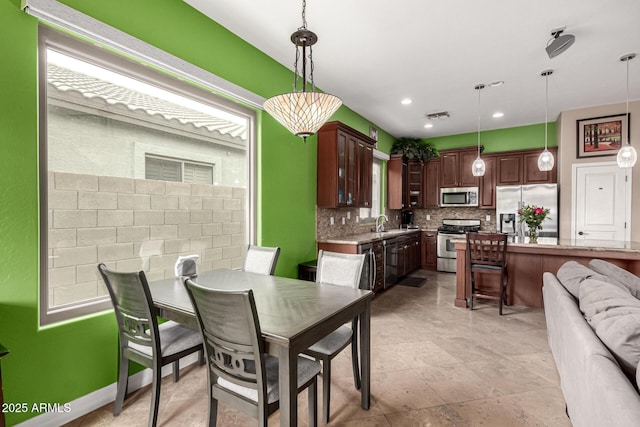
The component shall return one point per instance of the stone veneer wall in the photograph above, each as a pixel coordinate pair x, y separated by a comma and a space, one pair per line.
325, 230
136, 224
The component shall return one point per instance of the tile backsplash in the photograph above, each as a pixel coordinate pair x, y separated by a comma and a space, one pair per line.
353, 224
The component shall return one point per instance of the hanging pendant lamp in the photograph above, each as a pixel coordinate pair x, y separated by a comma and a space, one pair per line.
546, 160
301, 111
627, 155
478, 167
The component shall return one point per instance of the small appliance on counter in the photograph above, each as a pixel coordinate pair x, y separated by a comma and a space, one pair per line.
407, 220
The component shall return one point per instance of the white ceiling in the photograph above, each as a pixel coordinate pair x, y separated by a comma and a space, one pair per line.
374, 53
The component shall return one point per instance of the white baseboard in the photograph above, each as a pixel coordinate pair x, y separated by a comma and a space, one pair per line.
97, 399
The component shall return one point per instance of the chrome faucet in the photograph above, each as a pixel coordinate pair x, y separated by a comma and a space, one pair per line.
380, 226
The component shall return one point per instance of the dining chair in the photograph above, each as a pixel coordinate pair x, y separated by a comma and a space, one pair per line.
141, 339
340, 270
239, 372
261, 259
487, 253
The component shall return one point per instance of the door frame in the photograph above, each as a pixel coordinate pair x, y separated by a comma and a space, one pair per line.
574, 194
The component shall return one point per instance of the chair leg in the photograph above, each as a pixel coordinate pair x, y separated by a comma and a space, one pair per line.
313, 403
201, 357
176, 371
213, 411
326, 390
123, 379
155, 394
473, 290
503, 291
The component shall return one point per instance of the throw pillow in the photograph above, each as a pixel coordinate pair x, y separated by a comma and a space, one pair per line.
572, 273
614, 315
620, 275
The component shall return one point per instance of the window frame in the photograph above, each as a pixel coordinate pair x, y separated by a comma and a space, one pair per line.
149, 72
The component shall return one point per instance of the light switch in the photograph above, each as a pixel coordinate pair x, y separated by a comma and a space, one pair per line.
344, 221
428, 217
348, 215
331, 222
488, 218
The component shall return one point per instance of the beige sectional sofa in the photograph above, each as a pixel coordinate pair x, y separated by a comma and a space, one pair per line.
593, 327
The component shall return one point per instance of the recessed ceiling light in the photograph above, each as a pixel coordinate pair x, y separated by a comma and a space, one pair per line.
496, 83
406, 101
428, 125
497, 115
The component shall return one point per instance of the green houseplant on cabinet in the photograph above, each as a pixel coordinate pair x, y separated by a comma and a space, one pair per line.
414, 148
406, 173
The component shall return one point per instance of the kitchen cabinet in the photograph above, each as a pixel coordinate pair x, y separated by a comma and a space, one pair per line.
408, 254
521, 167
432, 184
428, 253
455, 168
345, 160
396, 182
487, 187
415, 184
377, 248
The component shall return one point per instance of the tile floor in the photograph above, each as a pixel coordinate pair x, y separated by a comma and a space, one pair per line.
432, 365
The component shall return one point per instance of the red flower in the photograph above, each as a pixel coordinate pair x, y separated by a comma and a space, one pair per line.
538, 211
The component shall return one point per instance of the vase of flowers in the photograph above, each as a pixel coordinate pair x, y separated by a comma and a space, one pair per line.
533, 216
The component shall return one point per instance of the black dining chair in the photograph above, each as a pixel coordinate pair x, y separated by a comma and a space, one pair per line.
337, 269
141, 338
239, 372
487, 253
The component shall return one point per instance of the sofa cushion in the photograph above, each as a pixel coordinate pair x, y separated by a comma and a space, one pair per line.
638, 377
615, 273
614, 314
572, 273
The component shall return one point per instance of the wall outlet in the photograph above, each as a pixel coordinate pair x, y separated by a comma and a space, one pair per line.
488, 218
331, 221
357, 219
428, 217
344, 220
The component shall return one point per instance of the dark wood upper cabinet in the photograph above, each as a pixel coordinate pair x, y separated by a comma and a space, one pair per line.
521, 167
432, 184
487, 199
509, 169
533, 175
449, 170
415, 184
345, 161
455, 168
396, 182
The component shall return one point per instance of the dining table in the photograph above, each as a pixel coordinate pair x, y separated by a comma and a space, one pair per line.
293, 315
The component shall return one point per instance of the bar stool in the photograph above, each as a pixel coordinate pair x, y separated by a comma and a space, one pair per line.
487, 253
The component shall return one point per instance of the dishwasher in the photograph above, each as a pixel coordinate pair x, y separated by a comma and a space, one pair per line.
390, 262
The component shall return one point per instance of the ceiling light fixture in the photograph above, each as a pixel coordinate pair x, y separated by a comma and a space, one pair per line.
498, 114
428, 125
627, 155
496, 83
303, 112
406, 101
558, 42
478, 167
546, 160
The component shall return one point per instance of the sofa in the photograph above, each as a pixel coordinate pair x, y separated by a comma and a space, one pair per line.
593, 328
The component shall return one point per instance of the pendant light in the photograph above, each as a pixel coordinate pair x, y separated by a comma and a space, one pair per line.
301, 111
546, 161
478, 167
627, 155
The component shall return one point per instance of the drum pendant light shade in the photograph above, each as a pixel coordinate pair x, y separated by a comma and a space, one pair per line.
478, 168
301, 111
546, 160
627, 155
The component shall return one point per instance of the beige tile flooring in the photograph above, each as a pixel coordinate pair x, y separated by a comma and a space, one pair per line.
432, 365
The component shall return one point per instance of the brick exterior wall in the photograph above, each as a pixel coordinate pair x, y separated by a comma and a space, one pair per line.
136, 224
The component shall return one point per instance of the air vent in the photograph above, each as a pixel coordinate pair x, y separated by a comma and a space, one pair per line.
440, 115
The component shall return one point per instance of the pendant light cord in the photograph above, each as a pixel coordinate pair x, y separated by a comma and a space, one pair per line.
479, 89
546, 109
627, 61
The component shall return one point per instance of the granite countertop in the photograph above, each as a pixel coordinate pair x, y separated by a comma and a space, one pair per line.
589, 245
357, 239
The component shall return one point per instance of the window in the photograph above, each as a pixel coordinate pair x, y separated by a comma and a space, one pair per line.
370, 214
177, 170
137, 168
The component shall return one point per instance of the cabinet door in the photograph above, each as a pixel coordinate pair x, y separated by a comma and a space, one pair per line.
431, 184
395, 182
431, 251
415, 182
533, 175
509, 170
365, 166
449, 170
352, 171
465, 173
342, 168
488, 185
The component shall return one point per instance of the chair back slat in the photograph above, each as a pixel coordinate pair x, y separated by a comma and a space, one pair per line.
261, 259
231, 333
339, 269
132, 303
488, 249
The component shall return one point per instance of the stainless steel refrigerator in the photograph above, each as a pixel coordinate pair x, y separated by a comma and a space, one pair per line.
509, 198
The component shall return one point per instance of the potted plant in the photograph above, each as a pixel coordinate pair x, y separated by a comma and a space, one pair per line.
414, 148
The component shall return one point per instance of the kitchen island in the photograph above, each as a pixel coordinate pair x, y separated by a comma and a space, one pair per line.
527, 262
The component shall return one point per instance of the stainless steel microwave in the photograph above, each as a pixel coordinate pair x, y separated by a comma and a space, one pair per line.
458, 196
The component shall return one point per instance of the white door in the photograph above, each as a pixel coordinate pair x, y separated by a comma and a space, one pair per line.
602, 196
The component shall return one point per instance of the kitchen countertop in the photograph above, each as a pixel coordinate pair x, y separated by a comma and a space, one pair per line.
587, 245
357, 239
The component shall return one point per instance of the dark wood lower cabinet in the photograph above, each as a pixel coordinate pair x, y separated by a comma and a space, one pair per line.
429, 258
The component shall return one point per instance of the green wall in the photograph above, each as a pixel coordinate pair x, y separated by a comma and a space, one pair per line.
60, 363
516, 138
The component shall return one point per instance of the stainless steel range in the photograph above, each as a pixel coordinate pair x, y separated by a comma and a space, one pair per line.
452, 229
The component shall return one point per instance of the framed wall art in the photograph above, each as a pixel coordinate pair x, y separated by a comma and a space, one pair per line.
602, 136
